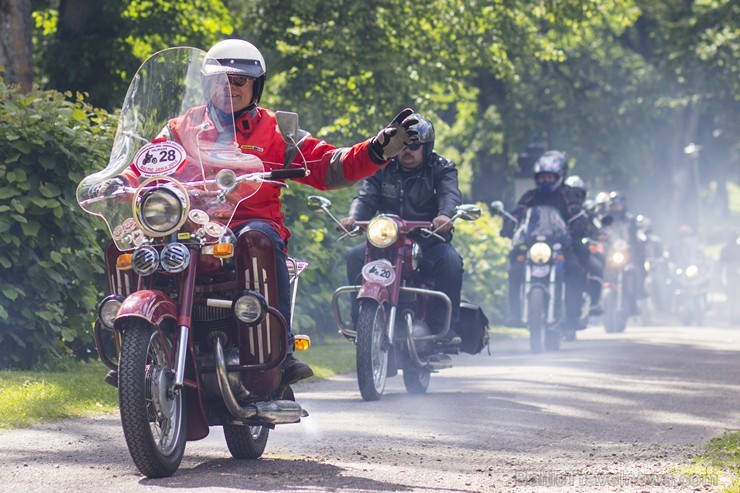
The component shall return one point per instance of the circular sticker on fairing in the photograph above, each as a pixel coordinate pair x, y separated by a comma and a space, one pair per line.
159, 158
380, 271
213, 229
198, 216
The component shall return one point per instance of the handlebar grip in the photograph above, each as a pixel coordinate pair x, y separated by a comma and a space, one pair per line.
280, 174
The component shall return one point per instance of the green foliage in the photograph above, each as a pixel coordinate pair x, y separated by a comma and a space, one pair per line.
486, 263
50, 257
102, 57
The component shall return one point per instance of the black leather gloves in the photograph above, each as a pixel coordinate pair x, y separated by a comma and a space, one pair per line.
393, 138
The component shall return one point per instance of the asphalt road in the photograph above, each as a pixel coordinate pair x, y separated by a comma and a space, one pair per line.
608, 412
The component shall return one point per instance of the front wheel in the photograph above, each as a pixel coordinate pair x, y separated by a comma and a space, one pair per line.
153, 413
615, 320
372, 350
536, 320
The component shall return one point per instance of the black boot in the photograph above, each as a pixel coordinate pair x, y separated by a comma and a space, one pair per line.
112, 378
294, 370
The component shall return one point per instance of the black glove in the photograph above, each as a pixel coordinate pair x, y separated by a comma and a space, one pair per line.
107, 187
393, 138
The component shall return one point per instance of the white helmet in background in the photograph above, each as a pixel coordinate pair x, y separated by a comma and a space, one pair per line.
237, 57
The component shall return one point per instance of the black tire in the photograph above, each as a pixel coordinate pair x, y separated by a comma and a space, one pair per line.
416, 380
246, 442
153, 415
536, 320
372, 350
615, 321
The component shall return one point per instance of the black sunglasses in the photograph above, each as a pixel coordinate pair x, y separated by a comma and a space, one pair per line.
239, 80
415, 146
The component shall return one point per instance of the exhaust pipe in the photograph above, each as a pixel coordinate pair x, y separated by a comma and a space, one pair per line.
275, 412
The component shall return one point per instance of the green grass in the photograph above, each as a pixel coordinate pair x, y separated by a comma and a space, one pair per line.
28, 397
718, 463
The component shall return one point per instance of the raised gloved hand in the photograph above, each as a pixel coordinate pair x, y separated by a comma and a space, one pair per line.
393, 138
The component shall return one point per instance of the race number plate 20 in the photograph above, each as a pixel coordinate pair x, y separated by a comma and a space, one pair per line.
159, 158
380, 271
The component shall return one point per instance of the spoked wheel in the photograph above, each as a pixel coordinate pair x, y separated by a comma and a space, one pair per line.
246, 442
536, 316
153, 413
372, 350
416, 380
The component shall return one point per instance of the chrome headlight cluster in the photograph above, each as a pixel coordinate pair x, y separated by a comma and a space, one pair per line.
175, 257
382, 231
160, 210
250, 308
540, 253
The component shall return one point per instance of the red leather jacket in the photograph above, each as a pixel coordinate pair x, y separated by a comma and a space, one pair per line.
257, 133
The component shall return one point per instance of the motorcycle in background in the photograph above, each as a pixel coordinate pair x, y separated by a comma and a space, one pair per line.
197, 343
690, 283
539, 240
393, 327
618, 293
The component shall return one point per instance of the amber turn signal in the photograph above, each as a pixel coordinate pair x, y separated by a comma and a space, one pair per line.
123, 262
223, 250
302, 342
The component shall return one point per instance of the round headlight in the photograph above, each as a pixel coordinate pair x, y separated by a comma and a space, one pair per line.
540, 253
618, 258
692, 271
108, 309
382, 231
250, 308
160, 210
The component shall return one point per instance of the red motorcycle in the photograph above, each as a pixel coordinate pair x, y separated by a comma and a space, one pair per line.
393, 326
190, 325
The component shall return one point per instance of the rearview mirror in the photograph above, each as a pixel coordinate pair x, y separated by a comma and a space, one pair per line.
315, 203
468, 212
288, 125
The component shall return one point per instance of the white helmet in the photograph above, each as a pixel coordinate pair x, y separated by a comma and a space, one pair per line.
237, 57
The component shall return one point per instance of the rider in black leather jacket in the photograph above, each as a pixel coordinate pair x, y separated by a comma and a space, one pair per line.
550, 190
417, 185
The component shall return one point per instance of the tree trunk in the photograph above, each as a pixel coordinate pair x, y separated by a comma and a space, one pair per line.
16, 45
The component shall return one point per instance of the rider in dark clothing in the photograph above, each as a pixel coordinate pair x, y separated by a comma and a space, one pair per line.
549, 172
590, 253
418, 185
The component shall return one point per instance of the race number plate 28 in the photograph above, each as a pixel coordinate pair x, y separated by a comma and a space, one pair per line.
159, 158
380, 271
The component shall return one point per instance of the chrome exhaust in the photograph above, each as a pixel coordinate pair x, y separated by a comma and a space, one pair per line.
275, 412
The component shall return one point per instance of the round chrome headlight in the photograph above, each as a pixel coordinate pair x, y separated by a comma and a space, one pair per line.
250, 308
160, 210
540, 253
618, 258
108, 309
382, 231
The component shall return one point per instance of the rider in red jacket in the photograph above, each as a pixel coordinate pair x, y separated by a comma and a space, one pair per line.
257, 133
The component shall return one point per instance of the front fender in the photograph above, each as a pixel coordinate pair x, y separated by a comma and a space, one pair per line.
374, 291
149, 304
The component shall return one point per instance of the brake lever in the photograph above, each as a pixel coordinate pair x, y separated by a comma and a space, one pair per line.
426, 233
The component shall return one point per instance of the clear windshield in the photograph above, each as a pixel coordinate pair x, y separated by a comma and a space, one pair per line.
542, 223
176, 130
